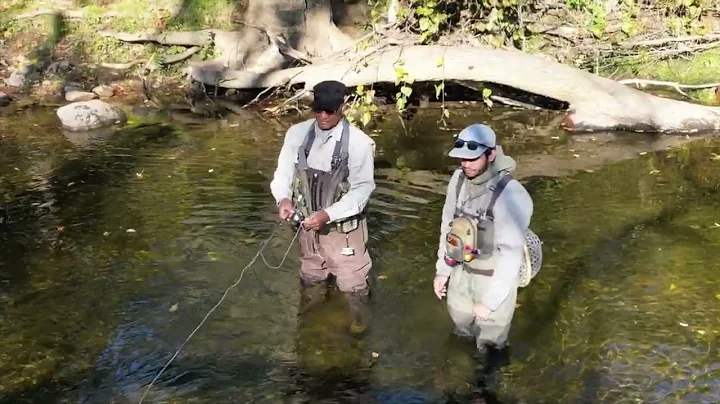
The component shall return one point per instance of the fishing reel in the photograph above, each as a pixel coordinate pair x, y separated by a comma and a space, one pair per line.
296, 218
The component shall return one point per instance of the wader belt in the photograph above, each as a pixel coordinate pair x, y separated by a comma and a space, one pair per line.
483, 272
496, 190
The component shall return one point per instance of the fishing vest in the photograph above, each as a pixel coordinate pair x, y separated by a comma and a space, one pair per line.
315, 190
471, 239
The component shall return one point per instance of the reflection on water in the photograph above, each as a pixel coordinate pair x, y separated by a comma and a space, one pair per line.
115, 246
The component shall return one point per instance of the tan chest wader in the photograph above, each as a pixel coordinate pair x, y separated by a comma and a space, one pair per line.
471, 239
314, 190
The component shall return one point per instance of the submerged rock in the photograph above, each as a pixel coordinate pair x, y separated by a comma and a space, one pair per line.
4, 99
88, 115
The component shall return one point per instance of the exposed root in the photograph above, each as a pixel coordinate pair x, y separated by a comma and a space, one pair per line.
166, 60
184, 38
67, 14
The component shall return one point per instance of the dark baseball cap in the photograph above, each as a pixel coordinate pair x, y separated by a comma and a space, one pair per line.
329, 95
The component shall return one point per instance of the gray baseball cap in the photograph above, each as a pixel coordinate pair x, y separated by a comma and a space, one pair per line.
472, 142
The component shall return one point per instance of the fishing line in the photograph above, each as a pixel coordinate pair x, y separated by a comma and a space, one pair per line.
242, 273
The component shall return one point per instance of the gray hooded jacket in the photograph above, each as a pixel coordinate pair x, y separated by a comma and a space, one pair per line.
513, 211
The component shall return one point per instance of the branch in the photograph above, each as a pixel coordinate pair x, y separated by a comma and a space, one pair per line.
663, 41
641, 83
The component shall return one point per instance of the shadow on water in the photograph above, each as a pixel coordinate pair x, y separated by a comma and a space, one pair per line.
115, 246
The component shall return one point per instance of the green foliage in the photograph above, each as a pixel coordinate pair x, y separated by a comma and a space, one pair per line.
362, 107
596, 14
683, 16
429, 18
402, 79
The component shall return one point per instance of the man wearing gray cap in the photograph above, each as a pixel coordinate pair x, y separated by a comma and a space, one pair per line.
324, 177
482, 238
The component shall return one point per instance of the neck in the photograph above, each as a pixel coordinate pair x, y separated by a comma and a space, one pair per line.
328, 131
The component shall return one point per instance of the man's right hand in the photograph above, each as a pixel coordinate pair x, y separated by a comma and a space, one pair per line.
285, 209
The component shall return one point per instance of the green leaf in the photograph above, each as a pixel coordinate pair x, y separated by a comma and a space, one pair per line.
369, 96
400, 104
406, 91
423, 11
446, 113
424, 24
359, 89
438, 89
440, 61
486, 92
366, 118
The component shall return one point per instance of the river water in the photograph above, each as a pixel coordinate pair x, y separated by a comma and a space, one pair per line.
113, 248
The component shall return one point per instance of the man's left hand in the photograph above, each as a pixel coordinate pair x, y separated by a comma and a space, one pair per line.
481, 312
317, 220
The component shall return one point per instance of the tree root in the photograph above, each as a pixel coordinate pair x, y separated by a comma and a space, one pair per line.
67, 14
166, 60
184, 38
593, 103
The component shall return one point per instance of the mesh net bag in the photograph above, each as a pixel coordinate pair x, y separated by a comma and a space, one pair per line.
533, 258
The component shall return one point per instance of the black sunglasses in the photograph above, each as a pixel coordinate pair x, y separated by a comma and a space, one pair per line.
471, 144
327, 111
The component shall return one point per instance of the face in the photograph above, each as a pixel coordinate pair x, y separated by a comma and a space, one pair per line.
327, 119
473, 168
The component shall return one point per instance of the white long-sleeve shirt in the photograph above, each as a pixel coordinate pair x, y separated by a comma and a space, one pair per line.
361, 165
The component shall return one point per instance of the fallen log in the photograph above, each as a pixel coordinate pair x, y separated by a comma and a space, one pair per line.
594, 103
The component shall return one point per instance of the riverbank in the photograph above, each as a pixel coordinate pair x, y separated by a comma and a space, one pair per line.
48, 47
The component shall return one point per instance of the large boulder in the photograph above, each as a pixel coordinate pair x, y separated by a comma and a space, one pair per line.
88, 115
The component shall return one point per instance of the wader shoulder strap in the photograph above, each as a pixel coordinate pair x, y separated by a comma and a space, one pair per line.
458, 186
309, 140
496, 193
341, 154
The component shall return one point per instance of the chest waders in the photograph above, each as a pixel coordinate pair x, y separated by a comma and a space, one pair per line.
315, 190
472, 237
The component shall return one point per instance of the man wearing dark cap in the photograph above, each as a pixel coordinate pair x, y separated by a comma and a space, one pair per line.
483, 236
325, 174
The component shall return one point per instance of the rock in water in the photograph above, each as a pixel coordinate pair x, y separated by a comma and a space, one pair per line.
88, 115
4, 99
73, 96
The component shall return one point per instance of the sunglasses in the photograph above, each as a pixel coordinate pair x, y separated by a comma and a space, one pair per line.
329, 112
471, 144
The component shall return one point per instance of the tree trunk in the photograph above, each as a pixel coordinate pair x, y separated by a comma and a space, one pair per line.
304, 25
595, 103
